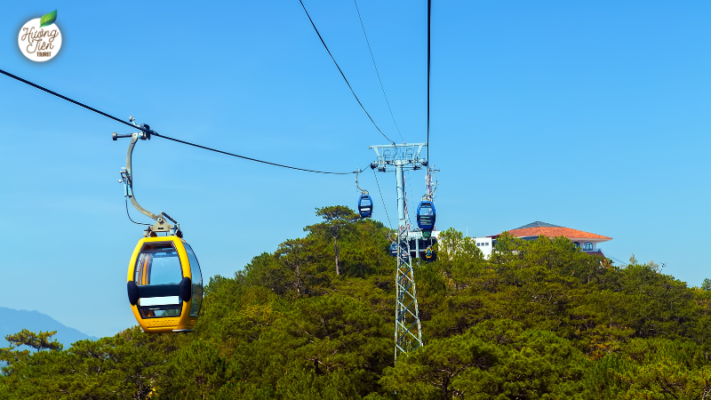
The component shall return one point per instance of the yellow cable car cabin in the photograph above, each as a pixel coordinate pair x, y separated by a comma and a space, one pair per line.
164, 278
165, 285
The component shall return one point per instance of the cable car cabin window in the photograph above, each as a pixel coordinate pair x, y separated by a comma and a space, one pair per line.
196, 300
426, 216
158, 264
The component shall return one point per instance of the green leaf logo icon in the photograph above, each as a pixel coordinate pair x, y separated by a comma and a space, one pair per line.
48, 19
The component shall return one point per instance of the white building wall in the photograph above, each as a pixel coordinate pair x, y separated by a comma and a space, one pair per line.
485, 244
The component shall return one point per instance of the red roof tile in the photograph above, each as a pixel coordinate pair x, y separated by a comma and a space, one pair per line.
555, 232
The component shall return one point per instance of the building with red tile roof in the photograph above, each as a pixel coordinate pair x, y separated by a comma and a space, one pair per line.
587, 241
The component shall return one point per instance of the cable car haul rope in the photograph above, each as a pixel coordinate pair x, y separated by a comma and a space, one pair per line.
146, 129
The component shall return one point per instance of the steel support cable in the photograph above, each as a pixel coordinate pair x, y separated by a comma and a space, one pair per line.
66, 98
163, 136
429, 23
372, 57
342, 74
383, 200
249, 158
406, 176
617, 259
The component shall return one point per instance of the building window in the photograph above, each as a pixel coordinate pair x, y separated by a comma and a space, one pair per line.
587, 246
577, 244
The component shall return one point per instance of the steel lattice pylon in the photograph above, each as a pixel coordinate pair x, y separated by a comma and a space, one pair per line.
408, 329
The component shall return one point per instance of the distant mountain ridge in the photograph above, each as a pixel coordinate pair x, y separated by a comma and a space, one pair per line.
13, 321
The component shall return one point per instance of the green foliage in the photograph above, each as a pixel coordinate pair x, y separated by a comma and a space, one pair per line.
338, 220
40, 341
123, 366
538, 319
706, 285
495, 359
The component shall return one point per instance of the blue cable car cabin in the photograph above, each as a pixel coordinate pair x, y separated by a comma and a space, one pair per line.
365, 206
426, 215
393, 249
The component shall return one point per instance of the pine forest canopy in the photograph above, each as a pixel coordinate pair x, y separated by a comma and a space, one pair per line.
314, 319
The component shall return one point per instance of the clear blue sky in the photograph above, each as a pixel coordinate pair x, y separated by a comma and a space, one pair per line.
589, 115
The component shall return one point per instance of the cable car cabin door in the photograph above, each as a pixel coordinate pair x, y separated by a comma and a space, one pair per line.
164, 287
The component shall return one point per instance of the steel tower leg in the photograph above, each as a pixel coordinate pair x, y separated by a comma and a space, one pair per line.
408, 330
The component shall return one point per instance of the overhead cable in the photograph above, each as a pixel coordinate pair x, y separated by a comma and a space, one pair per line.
342, 74
250, 158
617, 259
381, 198
429, 23
167, 137
406, 176
66, 98
376, 70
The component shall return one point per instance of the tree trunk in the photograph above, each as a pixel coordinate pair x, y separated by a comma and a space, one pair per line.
298, 279
335, 244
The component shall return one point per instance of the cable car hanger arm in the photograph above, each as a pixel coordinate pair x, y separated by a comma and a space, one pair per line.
161, 224
128, 174
357, 172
